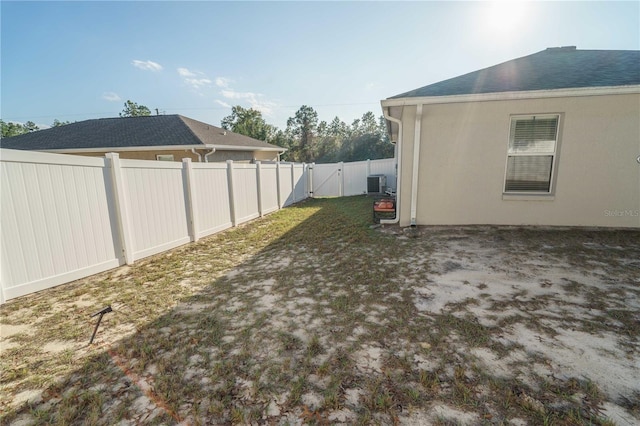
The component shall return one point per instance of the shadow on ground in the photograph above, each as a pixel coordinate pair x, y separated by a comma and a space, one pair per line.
311, 316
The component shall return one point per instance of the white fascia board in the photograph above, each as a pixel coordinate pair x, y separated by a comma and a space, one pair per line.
506, 96
244, 148
166, 148
130, 148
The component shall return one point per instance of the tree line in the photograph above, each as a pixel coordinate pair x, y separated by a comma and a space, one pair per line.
306, 138
14, 129
9, 129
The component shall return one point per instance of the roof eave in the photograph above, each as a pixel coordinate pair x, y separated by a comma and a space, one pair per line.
246, 148
167, 148
129, 148
503, 96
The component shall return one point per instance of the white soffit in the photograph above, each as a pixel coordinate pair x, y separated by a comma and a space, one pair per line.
506, 96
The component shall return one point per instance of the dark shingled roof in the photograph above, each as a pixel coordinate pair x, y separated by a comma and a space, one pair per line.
127, 132
553, 68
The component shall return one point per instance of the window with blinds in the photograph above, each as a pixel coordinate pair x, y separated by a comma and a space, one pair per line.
531, 154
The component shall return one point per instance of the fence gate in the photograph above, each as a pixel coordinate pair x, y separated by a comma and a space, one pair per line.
327, 180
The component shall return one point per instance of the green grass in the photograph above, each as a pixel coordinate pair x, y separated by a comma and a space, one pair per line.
314, 285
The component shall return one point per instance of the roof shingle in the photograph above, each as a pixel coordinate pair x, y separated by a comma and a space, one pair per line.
128, 132
553, 68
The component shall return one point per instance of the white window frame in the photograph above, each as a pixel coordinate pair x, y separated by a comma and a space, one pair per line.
164, 157
553, 154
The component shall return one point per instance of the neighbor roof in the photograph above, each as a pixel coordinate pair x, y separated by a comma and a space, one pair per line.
129, 132
553, 68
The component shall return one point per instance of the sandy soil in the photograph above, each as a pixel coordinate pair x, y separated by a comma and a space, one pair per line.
467, 326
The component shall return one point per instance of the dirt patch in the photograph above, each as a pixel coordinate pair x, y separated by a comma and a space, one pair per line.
309, 316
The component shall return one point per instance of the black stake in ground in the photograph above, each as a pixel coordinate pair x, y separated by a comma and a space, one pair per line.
101, 313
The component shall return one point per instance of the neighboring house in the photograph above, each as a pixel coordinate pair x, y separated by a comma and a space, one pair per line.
159, 137
552, 138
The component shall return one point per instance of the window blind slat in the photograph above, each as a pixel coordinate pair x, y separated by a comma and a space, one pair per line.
533, 135
529, 173
532, 147
536, 129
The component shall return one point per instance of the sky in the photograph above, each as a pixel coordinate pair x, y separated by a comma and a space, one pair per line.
79, 60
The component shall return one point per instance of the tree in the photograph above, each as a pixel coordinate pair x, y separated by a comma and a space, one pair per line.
285, 140
58, 123
30, 126
10, 129
372, 142
338, 128
132, 109
368, 123
248, 122
302, 127
331, 138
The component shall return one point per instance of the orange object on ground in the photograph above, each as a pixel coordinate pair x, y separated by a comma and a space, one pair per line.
382, 208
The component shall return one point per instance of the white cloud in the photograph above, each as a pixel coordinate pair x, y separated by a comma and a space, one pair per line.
196, 79
197, 83
185, 72
265, 107
147, 65
223, 82
232, 94
256, 100
111, 97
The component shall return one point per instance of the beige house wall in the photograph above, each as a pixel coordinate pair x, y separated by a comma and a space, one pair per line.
463, 155
178, 155
243, 156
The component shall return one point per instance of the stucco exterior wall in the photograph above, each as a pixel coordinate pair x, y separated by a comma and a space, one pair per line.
463, 155
178, 155
265, 155
243, 156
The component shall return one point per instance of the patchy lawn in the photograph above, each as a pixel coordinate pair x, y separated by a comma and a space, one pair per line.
311, 316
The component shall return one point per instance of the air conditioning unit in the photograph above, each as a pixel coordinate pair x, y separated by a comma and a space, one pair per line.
376, 184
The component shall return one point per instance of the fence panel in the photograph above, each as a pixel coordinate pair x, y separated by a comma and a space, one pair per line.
269, 187
155, 197
245, 192
355, 178
286, 185
57, 224
211, 204
301, 191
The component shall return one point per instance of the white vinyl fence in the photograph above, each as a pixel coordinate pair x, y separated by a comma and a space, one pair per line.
345, 179
57, 221
65, 217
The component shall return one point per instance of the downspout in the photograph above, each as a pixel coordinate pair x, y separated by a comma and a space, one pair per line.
193, 150
388, 116
416, 165
206, 156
